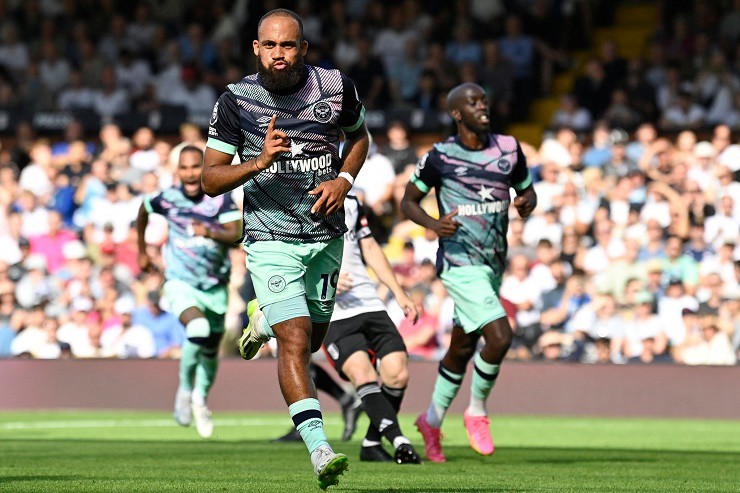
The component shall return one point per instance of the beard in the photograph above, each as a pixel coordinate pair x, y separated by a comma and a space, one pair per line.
281, 80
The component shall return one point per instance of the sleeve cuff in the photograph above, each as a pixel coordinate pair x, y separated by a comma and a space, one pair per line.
229, 217
359, 122
420, 184
221, 146
148, 204
521, 186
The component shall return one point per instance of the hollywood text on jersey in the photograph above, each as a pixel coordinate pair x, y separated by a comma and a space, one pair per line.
320, 164
483, 208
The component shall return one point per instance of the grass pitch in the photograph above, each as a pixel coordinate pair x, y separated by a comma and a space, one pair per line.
132, 452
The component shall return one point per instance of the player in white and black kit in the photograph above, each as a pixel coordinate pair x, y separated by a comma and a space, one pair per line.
362, 337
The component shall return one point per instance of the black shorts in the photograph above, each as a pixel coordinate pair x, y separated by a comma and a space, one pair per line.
373, 332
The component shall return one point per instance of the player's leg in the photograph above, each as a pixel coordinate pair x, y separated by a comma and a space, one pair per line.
278, 270
183, 304
488, 315
497, 336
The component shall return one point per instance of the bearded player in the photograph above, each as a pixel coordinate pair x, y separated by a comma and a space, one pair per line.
471, 173
285, 124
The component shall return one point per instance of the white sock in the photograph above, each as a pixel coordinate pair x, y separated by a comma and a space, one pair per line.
398, 441
197, 398
369, 443
435, 415
477, 407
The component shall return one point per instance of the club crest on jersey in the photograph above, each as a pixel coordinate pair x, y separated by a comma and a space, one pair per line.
276, 284
504, 165
209, 208
214, 115
322, 111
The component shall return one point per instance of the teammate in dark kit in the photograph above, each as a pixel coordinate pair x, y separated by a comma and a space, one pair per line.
471, 173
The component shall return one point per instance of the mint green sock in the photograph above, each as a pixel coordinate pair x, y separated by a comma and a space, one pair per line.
445, 390
307, 418
206, 372
484, 378
188, 362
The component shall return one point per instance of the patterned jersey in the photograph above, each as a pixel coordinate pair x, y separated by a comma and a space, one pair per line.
276, 201
476, 183
201, 262
363, 296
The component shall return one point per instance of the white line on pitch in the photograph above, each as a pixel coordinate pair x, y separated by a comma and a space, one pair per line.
135, 423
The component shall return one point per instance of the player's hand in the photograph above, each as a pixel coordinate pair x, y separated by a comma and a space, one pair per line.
330, 196
408, 306
525, 203
276, 142
199, 229
345, 283
145, 262
447, 226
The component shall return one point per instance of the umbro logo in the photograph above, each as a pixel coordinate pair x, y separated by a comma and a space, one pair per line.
263, 121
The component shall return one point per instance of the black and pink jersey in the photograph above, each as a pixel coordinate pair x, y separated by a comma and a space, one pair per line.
475, 183
277, 205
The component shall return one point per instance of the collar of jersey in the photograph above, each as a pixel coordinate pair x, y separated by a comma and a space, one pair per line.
459, 142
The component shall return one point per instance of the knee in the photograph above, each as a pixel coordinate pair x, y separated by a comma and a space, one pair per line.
398, 379
360, 375
463, 353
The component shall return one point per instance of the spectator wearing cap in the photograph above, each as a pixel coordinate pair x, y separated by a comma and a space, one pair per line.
127, 340
166, 329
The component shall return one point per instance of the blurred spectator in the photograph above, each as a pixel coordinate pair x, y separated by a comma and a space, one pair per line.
682, 114
110, 100
399, 149
713, 347
462, 48
53, 245
125, 339
197, 97
166, 329
592, 90
420, 337
571, 115
14, 55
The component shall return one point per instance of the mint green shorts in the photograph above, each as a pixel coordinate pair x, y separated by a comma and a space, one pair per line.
304, 273
213, 302
474, 289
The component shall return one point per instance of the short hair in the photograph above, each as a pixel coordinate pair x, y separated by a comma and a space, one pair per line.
191, 148
283, 13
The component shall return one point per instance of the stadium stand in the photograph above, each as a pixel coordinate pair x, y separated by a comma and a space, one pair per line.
628, 124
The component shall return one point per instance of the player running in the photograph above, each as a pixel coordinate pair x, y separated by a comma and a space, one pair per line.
471, 174
361, 333
285, 124
201, 229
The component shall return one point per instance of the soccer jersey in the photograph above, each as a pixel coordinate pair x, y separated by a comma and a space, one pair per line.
363, 296
200, 262
475, 183
277, 205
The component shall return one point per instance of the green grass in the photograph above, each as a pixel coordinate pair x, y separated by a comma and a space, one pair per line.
131, 452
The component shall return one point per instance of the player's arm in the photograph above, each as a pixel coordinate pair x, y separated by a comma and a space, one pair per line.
224, 138
219, 176
142, 220
330, 195
229, 235
526, 198
377, 261
424, 178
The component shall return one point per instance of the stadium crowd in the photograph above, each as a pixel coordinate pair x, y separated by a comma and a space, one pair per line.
632, 255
